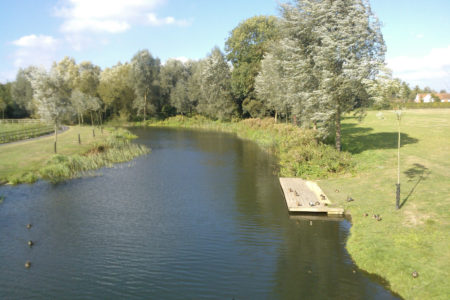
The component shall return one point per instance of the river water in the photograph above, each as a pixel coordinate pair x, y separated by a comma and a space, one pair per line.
201, 217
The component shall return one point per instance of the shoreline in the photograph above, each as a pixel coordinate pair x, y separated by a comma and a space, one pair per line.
30, 160
378, 247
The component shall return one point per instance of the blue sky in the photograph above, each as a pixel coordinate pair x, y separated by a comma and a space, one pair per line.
108, 31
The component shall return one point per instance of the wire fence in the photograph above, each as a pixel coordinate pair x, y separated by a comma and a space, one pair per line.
20, 129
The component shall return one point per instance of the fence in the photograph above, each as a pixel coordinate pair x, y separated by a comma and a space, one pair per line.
21, 121
19, 129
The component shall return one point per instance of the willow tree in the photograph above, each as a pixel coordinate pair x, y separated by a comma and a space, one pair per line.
51, 96
331, 47
144, 75
216, 101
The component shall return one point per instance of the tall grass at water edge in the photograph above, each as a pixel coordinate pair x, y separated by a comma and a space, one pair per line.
116, 148
299, 153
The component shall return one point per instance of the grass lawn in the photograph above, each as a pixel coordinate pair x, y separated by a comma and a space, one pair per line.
28, 156
416, 237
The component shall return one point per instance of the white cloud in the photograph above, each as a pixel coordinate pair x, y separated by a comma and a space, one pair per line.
152, 19
420, 36
35, 50
433, 67
40, 41
110, 16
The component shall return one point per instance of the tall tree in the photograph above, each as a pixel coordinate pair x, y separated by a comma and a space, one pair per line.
171, 72
269, 85
116, 90
2, 107
51, 95
22, 91
179, 98
144, 75
245, 48
331, 47
217, 101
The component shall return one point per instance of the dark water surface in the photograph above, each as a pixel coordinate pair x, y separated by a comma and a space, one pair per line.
201, 217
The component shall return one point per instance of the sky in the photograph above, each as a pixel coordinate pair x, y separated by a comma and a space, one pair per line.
416, 32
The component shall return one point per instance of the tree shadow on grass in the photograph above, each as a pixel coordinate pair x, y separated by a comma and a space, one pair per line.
417, 173
359, 139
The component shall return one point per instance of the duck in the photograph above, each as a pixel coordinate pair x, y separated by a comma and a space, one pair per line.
311, 204
379, 218
296, 194
27, 264
337, 191
290, 190
323, 197
415, 274
366, 214
29, 226
349, 199
30, 243
317, 203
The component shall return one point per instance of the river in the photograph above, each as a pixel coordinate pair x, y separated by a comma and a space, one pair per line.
200, 217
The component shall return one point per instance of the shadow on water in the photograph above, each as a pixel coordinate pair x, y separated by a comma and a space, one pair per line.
416, 173
359, 139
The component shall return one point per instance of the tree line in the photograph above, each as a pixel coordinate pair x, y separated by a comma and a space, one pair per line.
317, 61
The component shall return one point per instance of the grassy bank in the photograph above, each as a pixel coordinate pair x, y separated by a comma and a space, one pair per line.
299, 153
414, 238
28, 161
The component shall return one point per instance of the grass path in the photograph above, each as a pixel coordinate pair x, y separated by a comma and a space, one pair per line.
416, 237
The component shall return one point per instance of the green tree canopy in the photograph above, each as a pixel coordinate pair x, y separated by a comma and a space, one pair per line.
245, 48
330, 48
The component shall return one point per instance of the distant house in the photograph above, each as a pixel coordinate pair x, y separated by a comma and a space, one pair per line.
425, 98
445, 97
428, 98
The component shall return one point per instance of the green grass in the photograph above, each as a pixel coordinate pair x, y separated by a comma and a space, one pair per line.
27, 161
10, 132
416, 237
299, 153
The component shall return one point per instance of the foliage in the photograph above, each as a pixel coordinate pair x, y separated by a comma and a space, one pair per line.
216, 98
245, 47
22, 91
116, 90
144, 73
323, 76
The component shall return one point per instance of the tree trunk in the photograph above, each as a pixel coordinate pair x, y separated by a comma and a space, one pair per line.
92, 120
338, 128
145, 106
276, 116
56, 135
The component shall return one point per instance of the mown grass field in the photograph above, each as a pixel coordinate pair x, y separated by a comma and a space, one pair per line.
26, 156
417, 236
30, 160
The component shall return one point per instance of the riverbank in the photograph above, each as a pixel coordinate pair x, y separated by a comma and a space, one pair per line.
30, 160
299, 153
413, 238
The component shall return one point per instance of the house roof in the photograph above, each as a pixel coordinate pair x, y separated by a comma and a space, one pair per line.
443, 96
